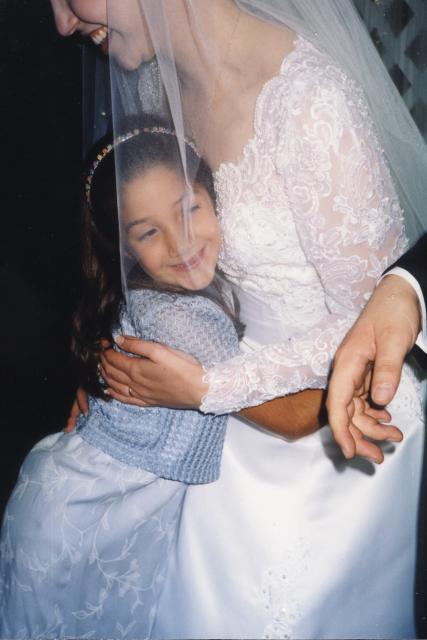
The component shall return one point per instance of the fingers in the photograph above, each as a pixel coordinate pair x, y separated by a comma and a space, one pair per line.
380, 432
112, 375
365, 448
350, 378
123, 390
381, 415
72, 420
126, 398
119, 386
122, 369
137, 346
396, 319
339, 404
367, 420
340, 421
113, 361
82, 401
365, 424
387, 368
120, 382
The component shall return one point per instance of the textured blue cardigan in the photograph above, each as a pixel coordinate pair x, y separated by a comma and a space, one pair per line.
177, 444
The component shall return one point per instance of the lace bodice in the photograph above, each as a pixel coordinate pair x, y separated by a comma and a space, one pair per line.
310, 220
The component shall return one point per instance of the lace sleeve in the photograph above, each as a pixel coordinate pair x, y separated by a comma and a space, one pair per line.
349, 224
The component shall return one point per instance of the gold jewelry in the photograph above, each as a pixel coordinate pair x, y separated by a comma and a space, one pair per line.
158, 129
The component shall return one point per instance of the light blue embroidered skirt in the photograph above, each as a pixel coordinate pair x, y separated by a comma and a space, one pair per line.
85, 544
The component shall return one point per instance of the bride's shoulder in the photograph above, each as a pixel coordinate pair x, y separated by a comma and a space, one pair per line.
309, 69
308, 63
310, 79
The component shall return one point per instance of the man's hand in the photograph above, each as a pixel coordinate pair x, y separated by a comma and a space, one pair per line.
370, 359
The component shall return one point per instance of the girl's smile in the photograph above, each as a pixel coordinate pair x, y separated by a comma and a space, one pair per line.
191, 263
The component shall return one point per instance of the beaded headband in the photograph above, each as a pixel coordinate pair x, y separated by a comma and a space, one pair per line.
123, 138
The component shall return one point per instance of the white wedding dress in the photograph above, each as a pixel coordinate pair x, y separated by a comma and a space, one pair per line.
293, 541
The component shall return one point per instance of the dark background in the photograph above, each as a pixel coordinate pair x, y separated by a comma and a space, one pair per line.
40, 106
41, 142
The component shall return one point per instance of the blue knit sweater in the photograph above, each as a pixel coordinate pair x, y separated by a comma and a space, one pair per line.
177, 444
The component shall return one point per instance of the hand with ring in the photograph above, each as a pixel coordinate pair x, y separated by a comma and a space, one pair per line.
161, 376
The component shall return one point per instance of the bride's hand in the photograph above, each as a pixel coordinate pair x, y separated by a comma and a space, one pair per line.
367, 424
161, 376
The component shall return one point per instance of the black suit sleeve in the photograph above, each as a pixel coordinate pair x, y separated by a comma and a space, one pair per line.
415, 261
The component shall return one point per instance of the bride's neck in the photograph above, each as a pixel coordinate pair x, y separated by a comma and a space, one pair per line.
231, 47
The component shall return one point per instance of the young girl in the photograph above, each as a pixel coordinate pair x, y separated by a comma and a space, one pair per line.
88, 529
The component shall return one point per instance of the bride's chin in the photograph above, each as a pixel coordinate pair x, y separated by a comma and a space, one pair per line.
129, 58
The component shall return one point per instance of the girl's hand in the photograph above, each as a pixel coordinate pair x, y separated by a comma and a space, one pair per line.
160, 377
80, 405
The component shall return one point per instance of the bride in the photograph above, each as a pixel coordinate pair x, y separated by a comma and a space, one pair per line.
291, 106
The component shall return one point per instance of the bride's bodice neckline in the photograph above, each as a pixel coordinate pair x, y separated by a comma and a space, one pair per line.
257, 220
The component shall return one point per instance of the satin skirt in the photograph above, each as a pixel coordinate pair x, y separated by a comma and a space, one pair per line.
85, 544
294, 541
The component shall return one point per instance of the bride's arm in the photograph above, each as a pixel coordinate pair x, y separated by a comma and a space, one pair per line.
350, 227
293, 416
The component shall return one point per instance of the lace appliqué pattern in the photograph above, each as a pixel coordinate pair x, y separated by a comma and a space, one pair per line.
310, 220
279, 592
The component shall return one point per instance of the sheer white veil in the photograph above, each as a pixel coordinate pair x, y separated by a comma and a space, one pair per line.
156, 86
336, 27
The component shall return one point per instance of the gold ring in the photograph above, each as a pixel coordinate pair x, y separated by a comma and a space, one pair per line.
130, 391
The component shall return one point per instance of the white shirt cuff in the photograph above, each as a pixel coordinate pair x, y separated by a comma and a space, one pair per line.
421, 341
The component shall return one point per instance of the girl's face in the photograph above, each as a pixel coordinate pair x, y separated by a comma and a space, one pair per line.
123, 34
154, 206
